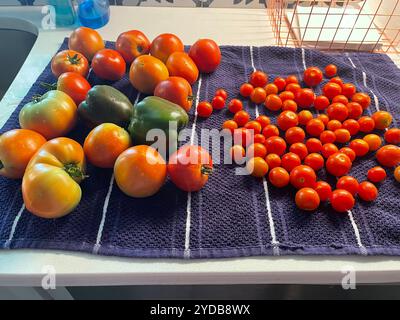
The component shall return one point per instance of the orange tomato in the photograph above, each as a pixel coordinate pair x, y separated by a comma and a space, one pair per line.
238, 154
140, 171
181, 65
279, 177
258, 95
16, 149
382, 119
69, 61
307, 199
257, 167
271, 88
397, 174
273, 103
373, 140
146, 73
86, 41
131, 44
389, 155
164, 45
105, 143
176, 90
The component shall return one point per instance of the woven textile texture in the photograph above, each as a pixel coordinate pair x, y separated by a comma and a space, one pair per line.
232, 215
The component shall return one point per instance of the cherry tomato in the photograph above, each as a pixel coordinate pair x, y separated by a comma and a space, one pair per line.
108, 64
258, 95
342, 200
290, 160
69, 61
270, 131
397, 174
374, 141
392, 136
273, 102
338, 164
330, 70
256, 150
312, 76
286, 95
279, 177
204, 109
132, 44
324, 118
286, 120
294, 134
328, 149
300, 149
259, 138
206, 55
263, 120
293, 87
359, 146
305, 97
291, 79
307, 199
352, 126
302, 177
331, 90
289, 105
336, 80
376, 174
355, 110
276, 145
348, 183
314, 145
342, 135
218, 103
389, 155
246, 89
337, 111
367, 124
273, 160
231, 125
164, 45
257, 167
315, 161
253, 125
235, 105
222, 93
340, 99
86, 41
74, 85
383, 119
324, 190
280, 83
315, 127
321, 103
238, 154
258, 79
241, 118
348, 152
367, 191
271, 88
176, 90
362, 98
304, 116
327, 136
348, 90
243, 136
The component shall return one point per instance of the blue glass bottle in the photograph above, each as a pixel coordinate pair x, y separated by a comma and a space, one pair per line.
93, 13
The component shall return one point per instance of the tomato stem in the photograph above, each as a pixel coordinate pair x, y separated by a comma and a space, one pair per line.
49, 86
1, 165
191, 98
74, 59
74, 171
206, 169
36, 98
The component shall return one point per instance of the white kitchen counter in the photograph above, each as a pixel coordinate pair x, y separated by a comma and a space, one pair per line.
226, 26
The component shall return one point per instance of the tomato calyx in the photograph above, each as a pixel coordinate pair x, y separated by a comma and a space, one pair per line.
191, 97
74, 171
206, 169
49, 86
36, 98
1, 165
74, 59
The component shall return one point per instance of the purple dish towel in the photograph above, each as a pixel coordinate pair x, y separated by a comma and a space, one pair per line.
232, 215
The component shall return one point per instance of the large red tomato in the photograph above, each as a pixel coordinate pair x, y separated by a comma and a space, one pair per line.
108, 64
164, 45
132, 44
189, 168
206, 55
176, 90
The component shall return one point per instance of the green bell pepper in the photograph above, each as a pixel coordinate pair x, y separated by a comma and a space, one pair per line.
157, 113
105, 104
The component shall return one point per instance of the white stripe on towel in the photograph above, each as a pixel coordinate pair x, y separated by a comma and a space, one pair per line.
14, 226
303, 57
274, 242
357, 233
186, 253
103, 218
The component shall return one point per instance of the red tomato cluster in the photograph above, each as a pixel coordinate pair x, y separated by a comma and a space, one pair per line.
299, 144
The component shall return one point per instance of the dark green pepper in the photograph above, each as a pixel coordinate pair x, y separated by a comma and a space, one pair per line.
157, 113
105, 104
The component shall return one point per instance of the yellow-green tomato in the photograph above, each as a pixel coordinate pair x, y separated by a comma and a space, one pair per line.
50, 186
105, 143
52, 115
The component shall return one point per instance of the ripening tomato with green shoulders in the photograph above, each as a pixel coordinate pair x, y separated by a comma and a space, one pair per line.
50, 186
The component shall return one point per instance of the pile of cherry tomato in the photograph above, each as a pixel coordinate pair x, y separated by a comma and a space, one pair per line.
299, 144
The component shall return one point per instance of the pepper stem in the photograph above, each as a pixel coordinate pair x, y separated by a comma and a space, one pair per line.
49, 86
1, 165
206, 169
74, 171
